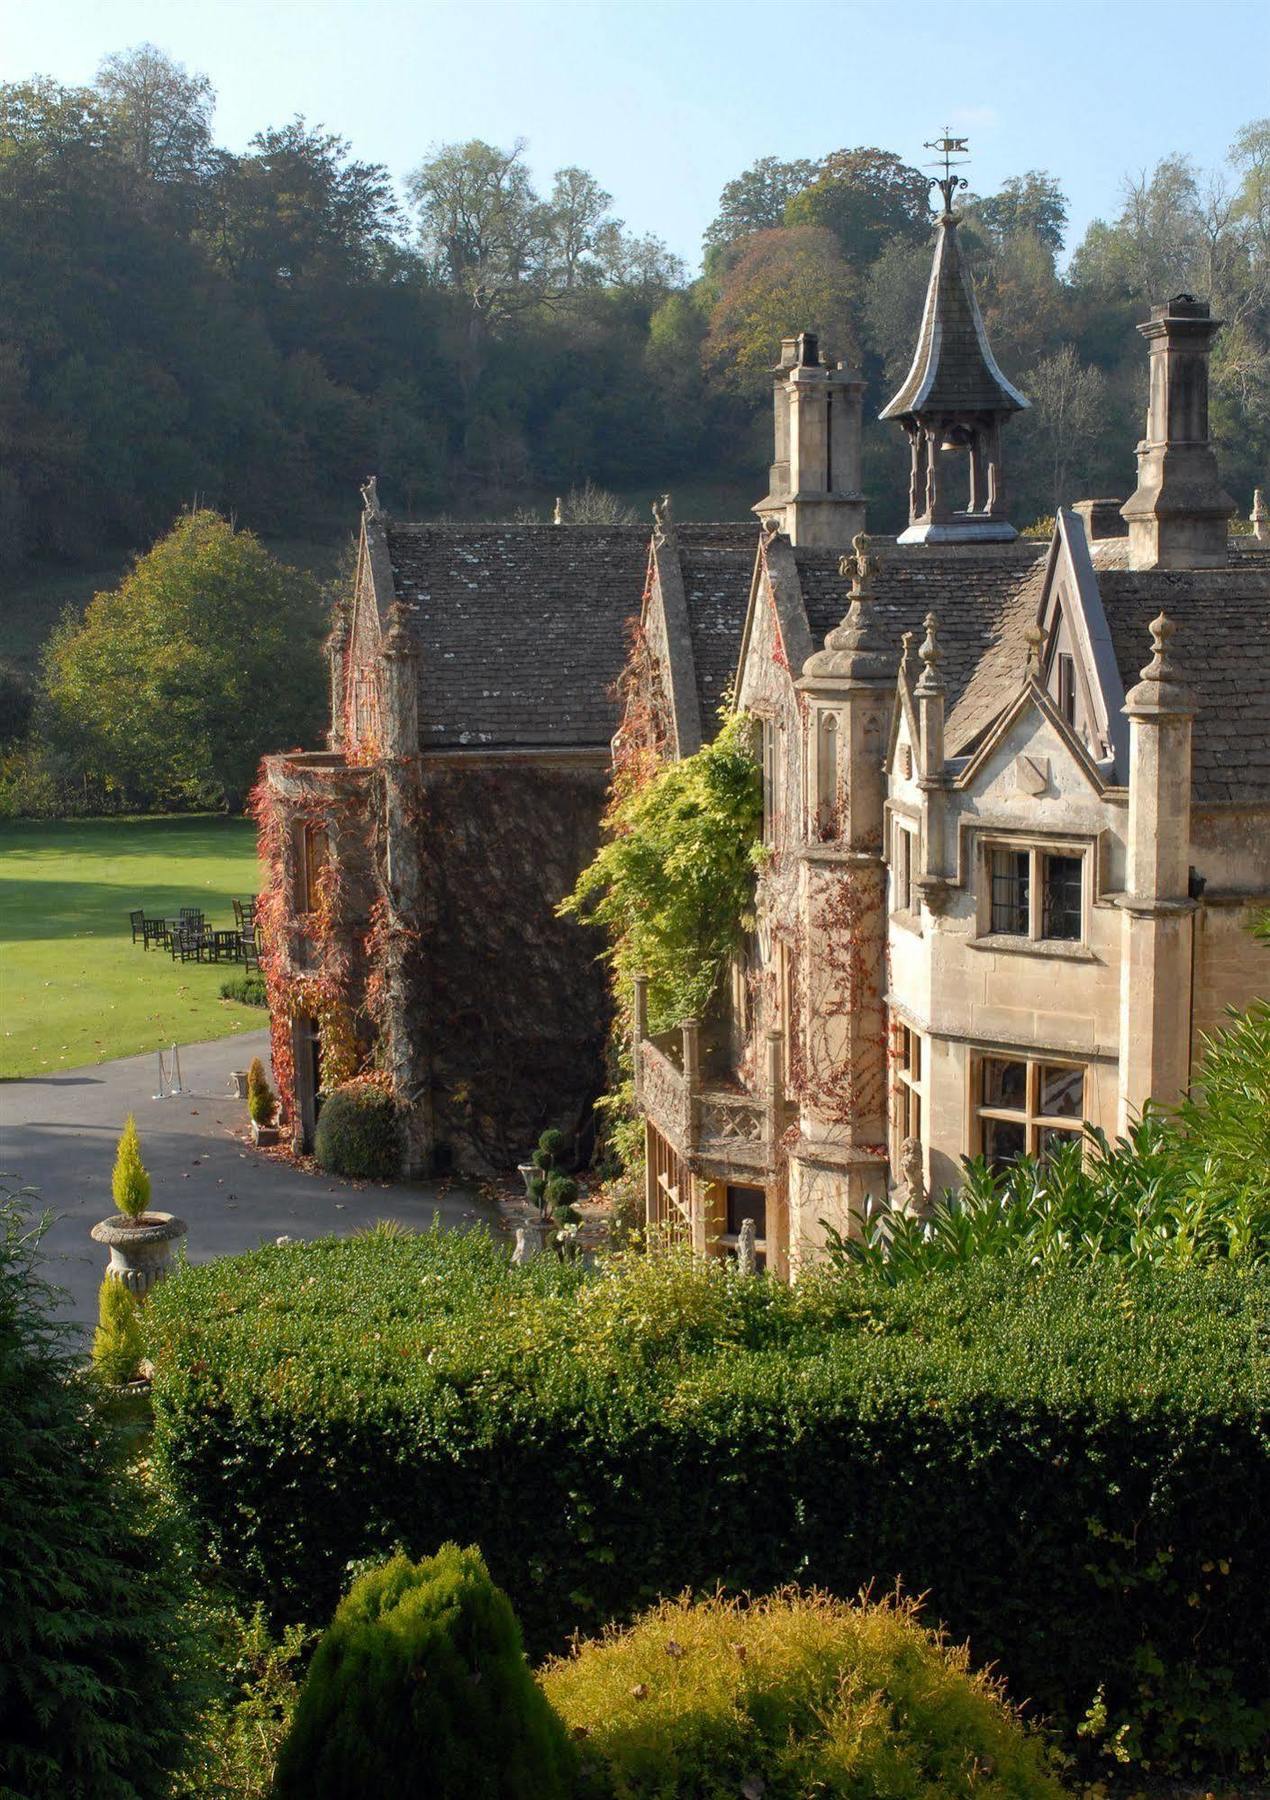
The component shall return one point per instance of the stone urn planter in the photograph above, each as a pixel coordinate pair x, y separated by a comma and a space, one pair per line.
239, 1079
264, 1134
140, 1249
532, 1239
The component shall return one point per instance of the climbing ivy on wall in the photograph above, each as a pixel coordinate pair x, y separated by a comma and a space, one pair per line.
673, 885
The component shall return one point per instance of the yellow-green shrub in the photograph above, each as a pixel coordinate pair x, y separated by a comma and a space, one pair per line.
262, 1102
790, 1697
129, 1182
117, 1341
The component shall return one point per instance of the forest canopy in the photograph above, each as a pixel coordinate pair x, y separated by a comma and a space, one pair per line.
182, 325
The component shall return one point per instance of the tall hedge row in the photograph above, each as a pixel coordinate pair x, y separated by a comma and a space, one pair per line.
1073, 1464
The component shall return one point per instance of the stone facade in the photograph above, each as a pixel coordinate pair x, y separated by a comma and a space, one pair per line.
1017, 817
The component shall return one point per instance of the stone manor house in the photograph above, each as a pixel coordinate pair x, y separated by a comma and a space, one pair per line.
1016, 804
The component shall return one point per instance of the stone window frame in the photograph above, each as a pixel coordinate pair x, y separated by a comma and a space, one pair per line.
904, 863
1036, 848
909, 1063
1034, 1120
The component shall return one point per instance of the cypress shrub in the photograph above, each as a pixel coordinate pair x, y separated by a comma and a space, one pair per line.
117, 1341
262, 1102
129, 1182
93, 1646
788, 1697
359, 1133
1072, 1462
421, 1685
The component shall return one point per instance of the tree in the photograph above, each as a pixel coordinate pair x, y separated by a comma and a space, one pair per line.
160, 116
204, 659
866, 198
1033, 203
784, 282
755, 201
1068, 412
93, 1650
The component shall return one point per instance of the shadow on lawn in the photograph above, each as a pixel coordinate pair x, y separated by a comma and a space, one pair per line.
38, 907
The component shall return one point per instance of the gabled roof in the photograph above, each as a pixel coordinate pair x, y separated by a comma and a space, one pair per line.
716, 577
522, 629
954, 370
1222, 649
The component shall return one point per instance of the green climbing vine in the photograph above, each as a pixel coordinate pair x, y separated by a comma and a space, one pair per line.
673, 885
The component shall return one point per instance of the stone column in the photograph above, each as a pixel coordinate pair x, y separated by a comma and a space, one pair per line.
930, 696
839, 1158
336, 662
1158, 916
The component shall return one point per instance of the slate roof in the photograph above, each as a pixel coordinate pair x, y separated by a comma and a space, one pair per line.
523, 629
971, 594
1222, 650
716, 576
953, 370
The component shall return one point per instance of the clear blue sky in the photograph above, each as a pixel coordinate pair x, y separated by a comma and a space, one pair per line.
666, 100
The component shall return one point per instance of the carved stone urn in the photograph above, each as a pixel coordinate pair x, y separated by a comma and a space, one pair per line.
140, 1249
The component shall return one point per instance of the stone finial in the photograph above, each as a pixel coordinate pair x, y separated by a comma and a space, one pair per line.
1260, 517
906, 650
850, 648
1034, 638
663, 513
930, 681
910, 1194
1161, 688
746, 1261
370, 498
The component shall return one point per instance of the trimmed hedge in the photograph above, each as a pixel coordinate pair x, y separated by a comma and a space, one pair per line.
359, 1133
1073, 1463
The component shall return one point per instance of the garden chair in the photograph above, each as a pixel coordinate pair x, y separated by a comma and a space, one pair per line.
251, 949
154, 931
137, 920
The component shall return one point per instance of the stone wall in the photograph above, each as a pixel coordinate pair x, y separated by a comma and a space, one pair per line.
513, 999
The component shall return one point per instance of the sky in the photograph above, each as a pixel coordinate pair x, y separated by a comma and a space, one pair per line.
666, 100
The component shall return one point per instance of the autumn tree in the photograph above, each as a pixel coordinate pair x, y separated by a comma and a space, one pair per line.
160, 115
1032, 204
203, 660
784, 282
1067, 414
867, 198
754, 201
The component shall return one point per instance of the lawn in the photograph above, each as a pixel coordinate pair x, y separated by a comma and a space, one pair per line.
74, 988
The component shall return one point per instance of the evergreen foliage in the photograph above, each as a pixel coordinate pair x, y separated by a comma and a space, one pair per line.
421, 1684
248, 990
788, 1697
359, 1132
93, 1651
117, 1342
1069, 1459
262, 1102
1187, 1188
673, 885
129, 1182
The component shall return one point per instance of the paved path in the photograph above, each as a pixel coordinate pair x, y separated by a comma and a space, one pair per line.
58, 1132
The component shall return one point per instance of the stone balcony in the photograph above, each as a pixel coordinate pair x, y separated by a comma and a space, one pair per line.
721, 1130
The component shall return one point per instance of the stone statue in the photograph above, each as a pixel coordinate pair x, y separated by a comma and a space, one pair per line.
662, 514
746, 1262
557, 517
910, 1195
370, 497
1260, 517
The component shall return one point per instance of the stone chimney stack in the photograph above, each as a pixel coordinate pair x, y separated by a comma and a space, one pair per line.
815, 495
1178, 515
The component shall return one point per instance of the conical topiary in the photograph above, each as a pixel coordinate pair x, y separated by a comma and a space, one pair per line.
262, 1102
129, 1183
421, 1686
117, 1341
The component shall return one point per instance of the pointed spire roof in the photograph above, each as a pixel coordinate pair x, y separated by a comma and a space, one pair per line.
954, 370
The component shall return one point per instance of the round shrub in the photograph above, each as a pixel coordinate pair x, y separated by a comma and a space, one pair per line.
421, 1686
788, 1697
359, 1133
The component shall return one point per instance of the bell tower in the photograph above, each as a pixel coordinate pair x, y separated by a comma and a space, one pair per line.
954, 400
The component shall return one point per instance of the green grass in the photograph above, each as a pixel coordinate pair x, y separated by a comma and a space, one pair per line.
74, 988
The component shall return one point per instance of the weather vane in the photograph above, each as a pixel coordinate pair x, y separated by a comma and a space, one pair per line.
952, 150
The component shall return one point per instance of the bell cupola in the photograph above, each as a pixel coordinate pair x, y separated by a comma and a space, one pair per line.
954, 399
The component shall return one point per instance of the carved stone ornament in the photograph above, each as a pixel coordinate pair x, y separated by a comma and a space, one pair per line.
1031, 774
